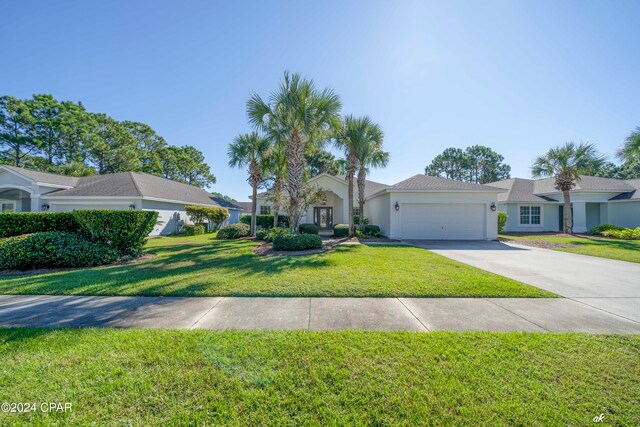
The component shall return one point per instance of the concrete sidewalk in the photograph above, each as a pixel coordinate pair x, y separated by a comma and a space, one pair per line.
413, 314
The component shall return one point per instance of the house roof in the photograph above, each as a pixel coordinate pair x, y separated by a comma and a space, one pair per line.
225, 203
370, 187
246, 206
422, 182
135, 184
529, 190
45, 177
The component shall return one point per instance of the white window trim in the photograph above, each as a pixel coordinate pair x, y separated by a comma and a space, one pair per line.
13, 202
541, 215
265, 206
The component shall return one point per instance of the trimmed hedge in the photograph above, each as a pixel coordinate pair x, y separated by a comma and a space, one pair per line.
502, 221
341, 230
266, 221
262, 234
204, 214
193, 229
17, 223
372, 230
276, 231
598, 229
296, 242
124, 231
308, 229
623, 234
50, 249
233, 231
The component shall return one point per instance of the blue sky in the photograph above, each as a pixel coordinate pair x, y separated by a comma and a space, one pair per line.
517, 76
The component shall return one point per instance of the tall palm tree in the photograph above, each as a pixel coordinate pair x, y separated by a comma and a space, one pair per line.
252, 150
566, 163
631, 149
277, 166
370, 155
304, 116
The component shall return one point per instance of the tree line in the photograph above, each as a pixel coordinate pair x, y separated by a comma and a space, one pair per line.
477, 164
45, 134
286, 147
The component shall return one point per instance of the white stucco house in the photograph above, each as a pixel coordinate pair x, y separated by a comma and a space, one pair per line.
535, 205
421, 207
26, 190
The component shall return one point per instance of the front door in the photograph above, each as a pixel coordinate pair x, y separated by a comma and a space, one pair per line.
323, 218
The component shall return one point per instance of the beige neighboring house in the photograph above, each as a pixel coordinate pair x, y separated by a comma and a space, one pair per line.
26, 190
420, 207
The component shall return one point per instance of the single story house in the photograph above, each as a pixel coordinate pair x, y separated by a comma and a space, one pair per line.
246, 208
535, 205
421, 207
26, 190
235, 211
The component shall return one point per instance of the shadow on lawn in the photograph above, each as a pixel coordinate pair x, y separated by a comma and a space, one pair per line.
610, 243
182, 269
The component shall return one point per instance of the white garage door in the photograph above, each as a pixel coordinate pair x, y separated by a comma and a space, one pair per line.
442, 221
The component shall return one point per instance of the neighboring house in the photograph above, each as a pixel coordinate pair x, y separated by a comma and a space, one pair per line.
421, 207
234, 210
25, 190
535, 205
246, 208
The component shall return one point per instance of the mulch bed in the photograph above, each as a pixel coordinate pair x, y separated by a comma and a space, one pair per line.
35, 271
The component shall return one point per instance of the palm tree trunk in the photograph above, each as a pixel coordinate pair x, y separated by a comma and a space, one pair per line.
276, 200
350, 202
362, 174
568, 217
295, 174
254, 207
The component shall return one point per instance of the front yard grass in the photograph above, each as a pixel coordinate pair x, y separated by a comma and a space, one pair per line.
623, 250
203, 266
160, 377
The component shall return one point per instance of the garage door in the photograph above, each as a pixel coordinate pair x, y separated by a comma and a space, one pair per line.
442, 221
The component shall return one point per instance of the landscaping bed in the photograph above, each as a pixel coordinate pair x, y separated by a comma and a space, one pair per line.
174, 377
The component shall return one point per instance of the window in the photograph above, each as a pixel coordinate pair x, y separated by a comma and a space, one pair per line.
356, 211
8, 206
530, 215
265, 210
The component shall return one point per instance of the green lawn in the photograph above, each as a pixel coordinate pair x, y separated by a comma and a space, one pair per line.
202, 266
623, 250
156, 377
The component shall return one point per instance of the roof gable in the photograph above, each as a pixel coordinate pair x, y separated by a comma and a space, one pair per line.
422, 182
43, 178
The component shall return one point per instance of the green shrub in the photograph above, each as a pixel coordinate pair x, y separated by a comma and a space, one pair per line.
356, 220
623, 234
193, 229
233, 231
124, 231
15, 224
372, 230
297, 242
266, 221
502, 221
277, 231
206, 214
308, 229
341, 230
262, 234
598, 229
50, 249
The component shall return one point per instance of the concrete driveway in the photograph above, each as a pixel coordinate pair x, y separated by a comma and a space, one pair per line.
609, 285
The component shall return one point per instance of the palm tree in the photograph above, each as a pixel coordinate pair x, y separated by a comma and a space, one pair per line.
252, 150
370, 155
631, 149
277, 166
566, 163
304, 116
347, 139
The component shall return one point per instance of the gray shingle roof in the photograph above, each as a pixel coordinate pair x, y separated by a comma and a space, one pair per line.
630, 195
45, 177
225, 203
518, 190
434, 183
370, 187
547, 185
245, 205
136, 184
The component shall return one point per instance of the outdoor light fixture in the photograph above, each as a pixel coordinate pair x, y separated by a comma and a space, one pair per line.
44, 207
493, 207
397, 206
132, 206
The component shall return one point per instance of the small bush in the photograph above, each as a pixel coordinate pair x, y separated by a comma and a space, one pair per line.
296, 242
308, 229
193, 229
262, 234
206, 214
372, 230
598, 229
502, 221
356, 220
623, 234
277, 231
124, 231
17, 223
266, 221
50, 249
341, 230
233, 231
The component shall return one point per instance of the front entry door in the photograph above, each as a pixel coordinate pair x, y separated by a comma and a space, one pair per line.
323, 218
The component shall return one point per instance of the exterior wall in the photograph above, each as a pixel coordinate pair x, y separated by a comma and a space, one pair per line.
550, 217
378, 210
491, 218
170, 217
234, 217
593, 215
624, 214
30, 200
